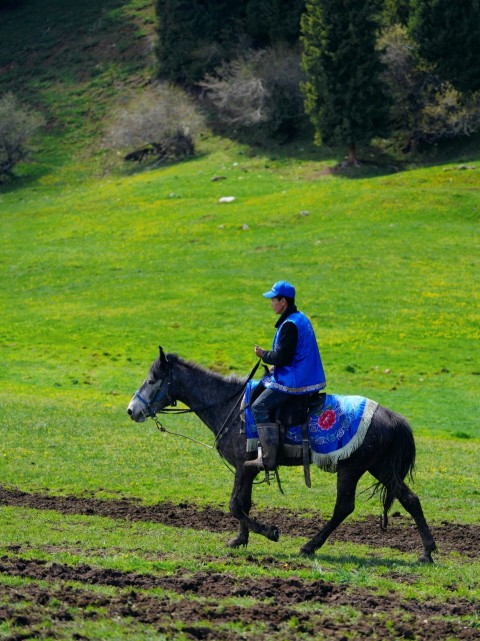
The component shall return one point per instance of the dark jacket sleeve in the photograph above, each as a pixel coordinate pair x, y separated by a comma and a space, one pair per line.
287, 343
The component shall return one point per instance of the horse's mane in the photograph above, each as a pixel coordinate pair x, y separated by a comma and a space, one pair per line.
156, 370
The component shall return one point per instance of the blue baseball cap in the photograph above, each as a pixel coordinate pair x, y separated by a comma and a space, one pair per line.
281, 288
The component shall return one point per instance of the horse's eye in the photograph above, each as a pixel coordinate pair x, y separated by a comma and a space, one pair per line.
152, 381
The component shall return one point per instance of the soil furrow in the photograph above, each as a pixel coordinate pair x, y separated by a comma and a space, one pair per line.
401, 534
271, 617
215, 585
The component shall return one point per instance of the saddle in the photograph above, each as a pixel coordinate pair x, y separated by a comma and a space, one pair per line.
296, 410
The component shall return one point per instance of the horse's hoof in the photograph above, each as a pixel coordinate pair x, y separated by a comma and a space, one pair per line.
425, 558
306, 550
272, 533
237, 543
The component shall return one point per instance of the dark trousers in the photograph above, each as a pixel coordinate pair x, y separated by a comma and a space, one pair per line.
268, 401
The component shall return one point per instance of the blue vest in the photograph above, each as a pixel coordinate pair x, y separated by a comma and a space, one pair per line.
304, 374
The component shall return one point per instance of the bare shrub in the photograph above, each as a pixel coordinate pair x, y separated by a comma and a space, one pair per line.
237, 93
17, 126
161, 123
262, 89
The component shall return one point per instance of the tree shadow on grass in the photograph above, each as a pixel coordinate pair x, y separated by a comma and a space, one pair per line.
372, 161
16, 182
381, 158
127, 168
325, 161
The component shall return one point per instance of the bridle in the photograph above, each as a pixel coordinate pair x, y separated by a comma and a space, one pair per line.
164, 392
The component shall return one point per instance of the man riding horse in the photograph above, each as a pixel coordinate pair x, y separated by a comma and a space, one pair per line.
297, 369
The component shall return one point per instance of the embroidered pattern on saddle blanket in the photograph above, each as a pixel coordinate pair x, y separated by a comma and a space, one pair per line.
334, 433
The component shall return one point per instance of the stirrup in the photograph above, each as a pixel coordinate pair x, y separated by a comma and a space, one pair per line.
258, 462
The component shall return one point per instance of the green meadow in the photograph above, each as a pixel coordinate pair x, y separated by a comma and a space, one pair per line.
100, 265
96, 273
100, 271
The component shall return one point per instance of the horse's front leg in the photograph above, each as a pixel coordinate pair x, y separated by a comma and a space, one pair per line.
240, 505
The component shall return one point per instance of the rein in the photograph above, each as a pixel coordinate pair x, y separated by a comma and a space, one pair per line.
161, 428
250, 376
164, 391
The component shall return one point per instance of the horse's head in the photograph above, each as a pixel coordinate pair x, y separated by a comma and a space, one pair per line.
154, 394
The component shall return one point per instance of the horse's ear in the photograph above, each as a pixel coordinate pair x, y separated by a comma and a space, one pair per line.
163, 358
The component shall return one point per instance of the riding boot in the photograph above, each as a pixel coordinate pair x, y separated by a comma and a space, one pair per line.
268, 434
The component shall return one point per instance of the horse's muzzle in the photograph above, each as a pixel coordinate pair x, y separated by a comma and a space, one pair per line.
135, 415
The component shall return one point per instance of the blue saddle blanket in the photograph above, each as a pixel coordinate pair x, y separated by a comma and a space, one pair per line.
334, 433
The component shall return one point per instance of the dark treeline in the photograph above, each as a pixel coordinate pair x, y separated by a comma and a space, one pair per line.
196, 36
369, 67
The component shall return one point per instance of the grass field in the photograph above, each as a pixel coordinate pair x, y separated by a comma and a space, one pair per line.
99, 268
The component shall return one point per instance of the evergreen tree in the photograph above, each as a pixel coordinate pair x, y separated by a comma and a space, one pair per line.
176, 37
344, 96
273, 21
448, 35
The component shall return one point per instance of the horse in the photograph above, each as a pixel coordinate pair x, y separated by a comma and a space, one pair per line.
387, 451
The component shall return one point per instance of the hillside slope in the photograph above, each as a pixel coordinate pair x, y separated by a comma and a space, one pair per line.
74, 61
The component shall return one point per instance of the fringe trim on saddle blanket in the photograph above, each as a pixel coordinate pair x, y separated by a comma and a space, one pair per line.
334, 434
328, 461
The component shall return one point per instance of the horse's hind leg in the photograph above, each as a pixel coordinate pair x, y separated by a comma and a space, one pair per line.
240, 504
411, 503
347, 479
388, 499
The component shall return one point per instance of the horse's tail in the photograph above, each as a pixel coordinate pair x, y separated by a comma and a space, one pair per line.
398, 463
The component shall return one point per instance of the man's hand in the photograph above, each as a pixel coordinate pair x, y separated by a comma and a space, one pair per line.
259, 351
